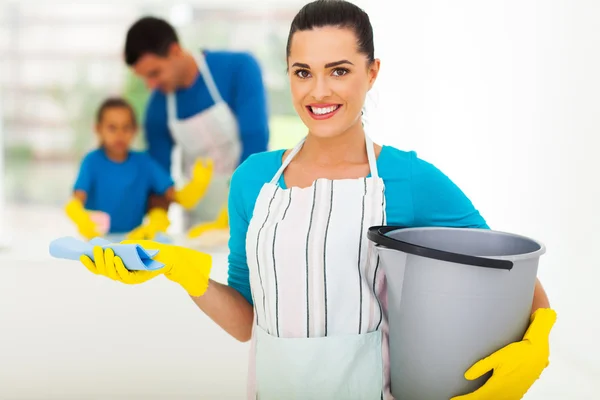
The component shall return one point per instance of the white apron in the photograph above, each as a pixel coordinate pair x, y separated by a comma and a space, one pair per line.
319, 293
211, 133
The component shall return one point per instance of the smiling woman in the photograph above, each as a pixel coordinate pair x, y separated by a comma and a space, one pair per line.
326, 80
300, 263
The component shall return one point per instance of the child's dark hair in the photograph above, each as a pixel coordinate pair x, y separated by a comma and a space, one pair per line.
115, 102
335, 13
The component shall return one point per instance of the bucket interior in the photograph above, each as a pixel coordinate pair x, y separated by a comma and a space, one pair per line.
476, 242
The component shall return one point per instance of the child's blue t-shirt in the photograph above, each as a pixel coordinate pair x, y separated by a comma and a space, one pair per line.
417, 195
121, 189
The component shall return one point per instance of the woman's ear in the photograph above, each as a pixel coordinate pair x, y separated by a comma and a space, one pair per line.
373, 72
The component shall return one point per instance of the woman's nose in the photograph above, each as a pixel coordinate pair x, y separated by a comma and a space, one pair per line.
321, 89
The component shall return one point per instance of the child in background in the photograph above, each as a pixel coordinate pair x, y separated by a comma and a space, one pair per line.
117, 181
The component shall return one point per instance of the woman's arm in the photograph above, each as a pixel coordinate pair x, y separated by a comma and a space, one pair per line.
540, 299
228, 309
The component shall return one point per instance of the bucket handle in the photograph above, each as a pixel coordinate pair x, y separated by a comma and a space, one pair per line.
378, 234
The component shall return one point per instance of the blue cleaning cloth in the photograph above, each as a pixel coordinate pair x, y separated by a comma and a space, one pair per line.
135, 257
159, 238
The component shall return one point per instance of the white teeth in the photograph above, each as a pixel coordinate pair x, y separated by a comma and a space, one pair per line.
323, 111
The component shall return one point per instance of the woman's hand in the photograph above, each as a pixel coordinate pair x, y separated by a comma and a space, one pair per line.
111, 266
187, 267
516, 366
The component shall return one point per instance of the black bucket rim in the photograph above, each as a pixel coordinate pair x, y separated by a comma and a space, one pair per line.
378, 235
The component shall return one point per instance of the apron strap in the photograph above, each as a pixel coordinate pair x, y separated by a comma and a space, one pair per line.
171, 107
371, 157
208, 78
287, 161
295, 150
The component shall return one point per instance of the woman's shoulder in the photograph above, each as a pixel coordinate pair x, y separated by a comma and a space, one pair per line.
258, 169
249, 178
395, 162
404, 170
393, 154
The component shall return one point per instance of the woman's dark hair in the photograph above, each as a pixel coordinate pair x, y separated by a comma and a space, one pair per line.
115, 102
149, 35
335, 13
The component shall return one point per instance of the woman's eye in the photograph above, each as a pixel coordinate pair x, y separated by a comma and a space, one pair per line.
340, 71
302, 73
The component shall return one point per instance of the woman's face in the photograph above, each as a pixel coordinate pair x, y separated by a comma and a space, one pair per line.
329, 79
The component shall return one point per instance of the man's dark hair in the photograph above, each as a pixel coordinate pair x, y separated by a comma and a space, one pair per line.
149, 35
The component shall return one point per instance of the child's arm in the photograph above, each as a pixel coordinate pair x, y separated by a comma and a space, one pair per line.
162, 195
75, 208
81, 217
80, 195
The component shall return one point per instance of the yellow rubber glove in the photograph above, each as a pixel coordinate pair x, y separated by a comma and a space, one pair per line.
82, 219
195, 189
187, 267
222, 222
516, 366
111, 266
157, 222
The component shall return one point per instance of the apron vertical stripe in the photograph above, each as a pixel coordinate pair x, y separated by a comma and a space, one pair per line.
312, 211
275, 264
257, 253
288, 206
276, 287
325, 253
360, 240
377, 265
376, 294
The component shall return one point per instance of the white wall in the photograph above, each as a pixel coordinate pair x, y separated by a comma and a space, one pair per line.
504, 97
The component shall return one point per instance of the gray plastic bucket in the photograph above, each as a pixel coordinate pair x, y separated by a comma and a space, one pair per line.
455, 296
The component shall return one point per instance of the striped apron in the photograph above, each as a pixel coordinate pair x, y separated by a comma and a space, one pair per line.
319, 294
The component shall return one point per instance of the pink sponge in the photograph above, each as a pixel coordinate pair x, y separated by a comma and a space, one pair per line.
102, 221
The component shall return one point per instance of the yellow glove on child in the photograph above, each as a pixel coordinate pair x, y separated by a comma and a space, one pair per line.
191, 193
222, 222
82, 219
158, 222
516, 366
187, 267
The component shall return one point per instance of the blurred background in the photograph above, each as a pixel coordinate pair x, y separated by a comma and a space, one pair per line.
501, 96
60, 60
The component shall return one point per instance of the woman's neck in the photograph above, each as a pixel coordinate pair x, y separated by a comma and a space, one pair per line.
349, 147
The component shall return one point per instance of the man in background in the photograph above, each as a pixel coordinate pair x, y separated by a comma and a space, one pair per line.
208, 105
